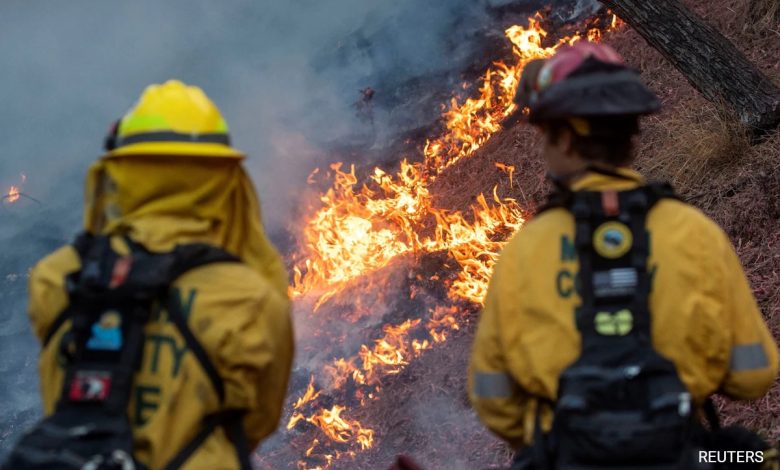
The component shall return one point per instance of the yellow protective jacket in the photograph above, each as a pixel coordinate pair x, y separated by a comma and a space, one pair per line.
238, 312
704, 316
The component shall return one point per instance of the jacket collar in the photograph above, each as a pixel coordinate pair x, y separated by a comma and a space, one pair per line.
625, 179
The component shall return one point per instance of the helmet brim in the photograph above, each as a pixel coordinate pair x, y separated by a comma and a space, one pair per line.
601, 94
190, 149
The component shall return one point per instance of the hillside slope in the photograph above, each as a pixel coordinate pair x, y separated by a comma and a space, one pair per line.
693, 144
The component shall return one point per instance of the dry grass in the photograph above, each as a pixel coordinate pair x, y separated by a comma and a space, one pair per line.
692, 145
761, 17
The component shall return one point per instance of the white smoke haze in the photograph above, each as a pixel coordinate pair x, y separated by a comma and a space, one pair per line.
286, 74
580, 9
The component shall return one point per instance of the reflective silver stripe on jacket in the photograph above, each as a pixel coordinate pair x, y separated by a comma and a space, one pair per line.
493, 385
748, 357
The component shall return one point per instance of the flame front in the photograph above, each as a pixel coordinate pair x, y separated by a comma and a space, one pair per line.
361, 228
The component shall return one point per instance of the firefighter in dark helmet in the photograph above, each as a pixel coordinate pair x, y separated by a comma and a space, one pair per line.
616, 312
169, 207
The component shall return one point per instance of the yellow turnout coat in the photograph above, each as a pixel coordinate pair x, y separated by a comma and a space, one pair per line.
238, 312
704, 316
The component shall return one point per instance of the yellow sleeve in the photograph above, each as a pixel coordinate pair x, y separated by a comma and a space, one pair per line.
46, 287
498, 400
754, 359
255, 359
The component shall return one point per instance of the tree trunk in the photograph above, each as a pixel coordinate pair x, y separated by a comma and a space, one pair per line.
712, 64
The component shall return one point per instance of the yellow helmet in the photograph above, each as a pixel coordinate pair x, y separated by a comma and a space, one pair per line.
172, 119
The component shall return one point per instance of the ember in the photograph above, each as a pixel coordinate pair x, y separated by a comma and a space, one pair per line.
15, 193
12, 195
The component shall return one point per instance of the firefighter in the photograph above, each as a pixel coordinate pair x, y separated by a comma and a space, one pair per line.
170, 178
590, 287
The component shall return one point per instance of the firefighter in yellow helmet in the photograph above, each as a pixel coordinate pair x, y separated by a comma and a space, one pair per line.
616, 312
171, 181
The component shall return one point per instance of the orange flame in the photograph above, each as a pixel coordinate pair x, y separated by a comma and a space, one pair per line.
509, 170
336, 427
13, 195
310, 395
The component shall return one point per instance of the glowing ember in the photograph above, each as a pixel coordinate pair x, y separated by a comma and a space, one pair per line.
361, 228
13, 195
14, 192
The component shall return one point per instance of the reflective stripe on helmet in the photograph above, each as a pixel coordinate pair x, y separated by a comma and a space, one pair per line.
134, 124
170, 136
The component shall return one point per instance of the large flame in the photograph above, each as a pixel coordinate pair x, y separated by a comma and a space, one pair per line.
361, 228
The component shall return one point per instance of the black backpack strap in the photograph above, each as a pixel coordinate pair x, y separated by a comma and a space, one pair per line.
627, 209
661, 190
189, 257
102, 355
81, 244
541, 446
591, 209
231, 421
175, 315
234, 426
558, 198
619, 385
59, 320
150, 275
711, 414
562, 197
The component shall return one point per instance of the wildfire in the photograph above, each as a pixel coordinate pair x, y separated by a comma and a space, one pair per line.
361, 228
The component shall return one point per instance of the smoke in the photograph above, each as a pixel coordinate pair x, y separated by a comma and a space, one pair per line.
582, 8
286, 74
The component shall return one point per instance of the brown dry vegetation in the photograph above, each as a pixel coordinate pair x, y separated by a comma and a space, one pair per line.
704, 152
695, 144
